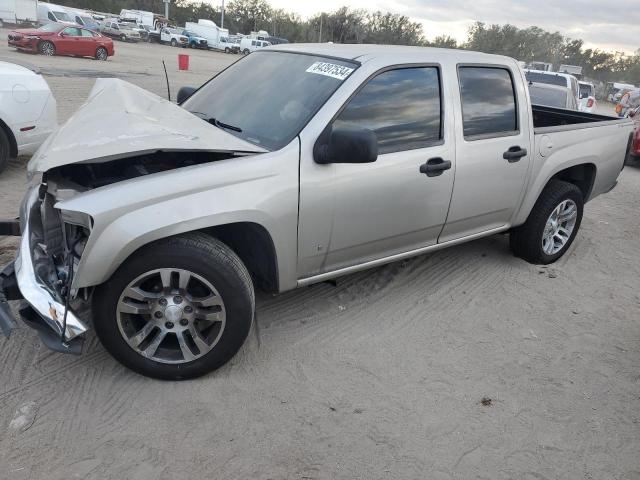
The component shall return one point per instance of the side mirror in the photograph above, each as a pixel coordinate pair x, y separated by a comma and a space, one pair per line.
184, 93
346, 145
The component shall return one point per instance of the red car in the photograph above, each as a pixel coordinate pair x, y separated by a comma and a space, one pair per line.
59, 39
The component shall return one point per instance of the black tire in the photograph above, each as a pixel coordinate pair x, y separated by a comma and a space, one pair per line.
204, 256
246, 51
47, 48
123, 38
526, 240
102, 54
226, 50
5, 150
174, 43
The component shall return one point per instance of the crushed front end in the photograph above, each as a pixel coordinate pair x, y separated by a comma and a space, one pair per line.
42, 275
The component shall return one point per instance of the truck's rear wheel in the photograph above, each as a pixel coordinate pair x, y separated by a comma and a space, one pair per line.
174, 42
178, 309
552, 224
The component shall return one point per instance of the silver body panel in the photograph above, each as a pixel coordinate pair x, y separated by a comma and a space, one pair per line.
324, 220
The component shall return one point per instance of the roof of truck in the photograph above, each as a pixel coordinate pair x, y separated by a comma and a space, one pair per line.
363, 52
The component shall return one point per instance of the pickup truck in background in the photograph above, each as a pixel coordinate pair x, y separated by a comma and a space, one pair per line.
545, 94
174, 37
122, 31
157, 233
195, 41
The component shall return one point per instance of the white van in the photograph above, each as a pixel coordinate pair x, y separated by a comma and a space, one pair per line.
83, 18
50, 13
248, 45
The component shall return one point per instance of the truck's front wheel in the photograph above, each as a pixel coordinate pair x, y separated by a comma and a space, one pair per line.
552, 224
178, 309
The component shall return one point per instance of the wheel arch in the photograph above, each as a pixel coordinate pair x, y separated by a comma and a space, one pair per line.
582, 176
250, 240
253, 244
13, 143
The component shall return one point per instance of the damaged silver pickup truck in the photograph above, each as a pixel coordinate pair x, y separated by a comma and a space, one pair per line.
152, 222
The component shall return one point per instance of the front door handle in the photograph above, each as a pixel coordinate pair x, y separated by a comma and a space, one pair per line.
435, 166
514, 154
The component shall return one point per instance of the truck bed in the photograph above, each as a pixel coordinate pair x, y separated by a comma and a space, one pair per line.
548, 119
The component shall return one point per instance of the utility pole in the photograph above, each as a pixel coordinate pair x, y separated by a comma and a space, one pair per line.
222, 17
320, 37
166, 9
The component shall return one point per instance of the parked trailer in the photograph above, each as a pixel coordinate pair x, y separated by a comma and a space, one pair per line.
18, 11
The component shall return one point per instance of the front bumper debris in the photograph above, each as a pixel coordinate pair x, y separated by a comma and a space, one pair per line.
10, 228
39, 308
41, 297
8, 291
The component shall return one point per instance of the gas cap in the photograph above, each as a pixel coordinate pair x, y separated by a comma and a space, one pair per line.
21, 93
546, 145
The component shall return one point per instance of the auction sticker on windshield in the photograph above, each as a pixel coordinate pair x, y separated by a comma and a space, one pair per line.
330, 70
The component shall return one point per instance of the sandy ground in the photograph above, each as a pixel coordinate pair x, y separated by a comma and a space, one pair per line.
381, 376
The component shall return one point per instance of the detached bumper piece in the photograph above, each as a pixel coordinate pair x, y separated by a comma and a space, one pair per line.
8, 291
10, 228
60, 328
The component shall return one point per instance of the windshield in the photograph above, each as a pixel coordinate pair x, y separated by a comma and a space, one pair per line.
62, 16
270, 111
549, 97
51, 27
545, 78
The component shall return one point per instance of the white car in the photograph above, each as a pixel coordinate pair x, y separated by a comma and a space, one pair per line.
27, 111
587, 101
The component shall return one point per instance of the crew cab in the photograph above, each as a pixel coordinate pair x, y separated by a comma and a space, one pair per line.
174, 37
153, 223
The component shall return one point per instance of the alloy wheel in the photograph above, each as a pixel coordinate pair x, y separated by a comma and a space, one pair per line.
171, 315
559, 227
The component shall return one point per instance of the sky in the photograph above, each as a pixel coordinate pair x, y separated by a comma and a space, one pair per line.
601, 24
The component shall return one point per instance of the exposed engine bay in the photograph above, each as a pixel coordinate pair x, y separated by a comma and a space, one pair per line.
94, 175
58, 237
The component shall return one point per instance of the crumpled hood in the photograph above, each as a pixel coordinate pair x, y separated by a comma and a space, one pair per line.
120, 120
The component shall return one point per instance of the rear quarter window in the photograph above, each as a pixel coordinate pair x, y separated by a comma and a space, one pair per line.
488, 101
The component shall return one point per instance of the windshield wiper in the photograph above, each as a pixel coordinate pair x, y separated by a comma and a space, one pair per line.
217, 123
226, 126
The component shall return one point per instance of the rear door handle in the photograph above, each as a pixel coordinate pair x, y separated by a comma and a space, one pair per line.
435, 166
514, 154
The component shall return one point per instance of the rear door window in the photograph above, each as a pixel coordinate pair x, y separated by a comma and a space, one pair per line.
402, 107
488, 102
